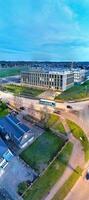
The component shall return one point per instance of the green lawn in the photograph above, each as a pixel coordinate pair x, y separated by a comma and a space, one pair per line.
44, 183
55, 123
68, 185
3, 109
52, 120
23, 90
42, 151
59, 127
80, 135
4, 72
76, 92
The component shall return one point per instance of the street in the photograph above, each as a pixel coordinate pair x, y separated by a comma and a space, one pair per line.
80, 190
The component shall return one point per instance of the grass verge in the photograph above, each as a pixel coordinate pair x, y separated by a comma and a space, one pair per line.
23, 90
55, 123
75, 93
3, 109
59, 127
68, 185
80, 135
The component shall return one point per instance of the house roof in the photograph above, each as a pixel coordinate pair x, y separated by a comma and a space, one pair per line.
3, 148
13, 127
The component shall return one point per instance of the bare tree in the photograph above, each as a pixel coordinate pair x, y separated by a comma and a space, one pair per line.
18, 102
31, 110
45, 114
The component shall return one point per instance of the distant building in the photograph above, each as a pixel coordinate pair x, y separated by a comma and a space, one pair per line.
5, 154
79, 76
12, 129
59, 80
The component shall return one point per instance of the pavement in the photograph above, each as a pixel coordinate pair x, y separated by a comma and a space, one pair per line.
77, 158
80, 191
15, 172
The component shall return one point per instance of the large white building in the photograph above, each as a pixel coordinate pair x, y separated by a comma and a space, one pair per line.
59, 80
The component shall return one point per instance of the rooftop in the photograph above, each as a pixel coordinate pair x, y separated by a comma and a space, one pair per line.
49, 71
3, 148
13, 127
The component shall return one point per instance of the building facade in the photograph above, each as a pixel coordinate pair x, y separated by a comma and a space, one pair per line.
61, 80
79, 76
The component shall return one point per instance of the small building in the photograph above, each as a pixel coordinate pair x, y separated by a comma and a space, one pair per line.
12, 129
5, 154
56, 80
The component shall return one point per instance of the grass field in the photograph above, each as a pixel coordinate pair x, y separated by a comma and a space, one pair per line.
80, 135
3, 110
23, 90
68, 185
59, 127
44, 183
42, 151
55, 123
11, 71
75, 93
52, 120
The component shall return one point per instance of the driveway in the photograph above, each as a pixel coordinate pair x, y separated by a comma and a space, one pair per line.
15, 172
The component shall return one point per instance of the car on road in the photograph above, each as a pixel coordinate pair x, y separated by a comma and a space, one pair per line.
69, 107
22, 108
87, 175
57, 112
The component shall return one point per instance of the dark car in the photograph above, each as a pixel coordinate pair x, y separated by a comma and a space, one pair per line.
22, 108
57, 112
68, 106
87, 175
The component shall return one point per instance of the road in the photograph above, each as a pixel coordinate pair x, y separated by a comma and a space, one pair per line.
27, 102
80, 190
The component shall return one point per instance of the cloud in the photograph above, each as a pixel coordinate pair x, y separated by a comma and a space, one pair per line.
49, 29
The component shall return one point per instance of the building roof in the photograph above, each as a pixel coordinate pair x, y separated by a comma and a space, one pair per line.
13, 127
3, 148
50, 71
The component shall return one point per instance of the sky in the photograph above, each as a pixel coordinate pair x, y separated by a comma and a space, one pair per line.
44, 30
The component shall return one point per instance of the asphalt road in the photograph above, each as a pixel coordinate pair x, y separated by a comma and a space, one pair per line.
80, 190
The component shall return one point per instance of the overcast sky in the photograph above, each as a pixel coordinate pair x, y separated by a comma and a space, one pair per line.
44, 30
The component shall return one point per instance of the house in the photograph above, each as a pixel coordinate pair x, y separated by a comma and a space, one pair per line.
5, 154
14, 130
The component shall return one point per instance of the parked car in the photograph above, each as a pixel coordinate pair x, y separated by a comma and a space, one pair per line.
57, 112
87, 175
68, 106
22, 108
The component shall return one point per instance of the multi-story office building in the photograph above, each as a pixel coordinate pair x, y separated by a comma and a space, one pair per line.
60, 80
79, 76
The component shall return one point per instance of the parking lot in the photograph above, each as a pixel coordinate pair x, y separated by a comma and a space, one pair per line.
15, 172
